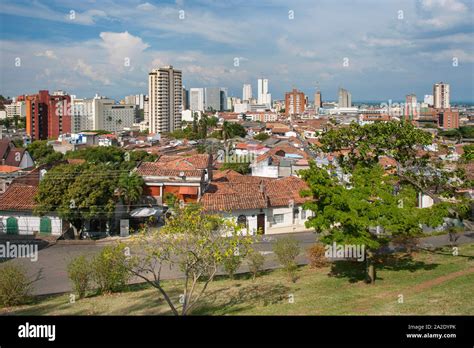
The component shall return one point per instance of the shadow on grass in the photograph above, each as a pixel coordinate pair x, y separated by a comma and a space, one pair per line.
356, 271
222, 301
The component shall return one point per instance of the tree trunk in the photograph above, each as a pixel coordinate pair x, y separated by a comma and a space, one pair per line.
371, 273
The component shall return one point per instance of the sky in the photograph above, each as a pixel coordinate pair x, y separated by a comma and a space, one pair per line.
378, 50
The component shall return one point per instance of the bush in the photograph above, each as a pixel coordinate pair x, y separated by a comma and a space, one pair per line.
109, 269
317, 256
231, 264
80, 273
14, 285
256, 261
286, 250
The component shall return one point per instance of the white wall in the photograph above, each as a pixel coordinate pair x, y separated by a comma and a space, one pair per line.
28, 225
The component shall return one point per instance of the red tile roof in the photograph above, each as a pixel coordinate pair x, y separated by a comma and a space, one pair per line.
200, 161
224, 175
11, 201
8, 169
250, 192
156, 169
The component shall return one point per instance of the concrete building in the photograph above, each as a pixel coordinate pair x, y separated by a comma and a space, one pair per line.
441, 96
263, 96
196, 99
247, 92
318, 100
165, 93
295, 102
47, 115
344, 98
428, 100
411, 107
17, 109
216, 99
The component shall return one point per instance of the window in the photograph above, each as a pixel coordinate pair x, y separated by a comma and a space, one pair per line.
303, 214
278, 218
242, 221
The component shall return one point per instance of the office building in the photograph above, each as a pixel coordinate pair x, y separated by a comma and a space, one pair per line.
247, 92
196, 99
295, 102
263, 97
318, 101
345, 98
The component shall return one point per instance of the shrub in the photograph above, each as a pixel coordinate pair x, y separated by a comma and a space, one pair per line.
256, 261
286, 250
231, 264
80, 273
109, 269
317, 256
14, 285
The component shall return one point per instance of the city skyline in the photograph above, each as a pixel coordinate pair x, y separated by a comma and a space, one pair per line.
110, 49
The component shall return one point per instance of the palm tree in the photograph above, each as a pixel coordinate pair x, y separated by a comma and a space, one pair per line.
130, 188
226, 133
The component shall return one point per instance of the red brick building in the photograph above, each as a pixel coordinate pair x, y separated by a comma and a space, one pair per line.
47, 116
295, 102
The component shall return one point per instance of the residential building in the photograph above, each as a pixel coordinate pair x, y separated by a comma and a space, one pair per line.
441, 96
344, 98
264, 98
281, 161
429, 100
47, 115
411, 107
165, 94
17, 109
318, 101
295, 102
448, 118
185, 177
259, 205
247, 92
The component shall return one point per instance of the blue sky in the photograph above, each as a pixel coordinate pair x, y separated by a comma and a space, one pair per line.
392, 48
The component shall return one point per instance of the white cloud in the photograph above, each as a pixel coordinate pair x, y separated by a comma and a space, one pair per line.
48, 54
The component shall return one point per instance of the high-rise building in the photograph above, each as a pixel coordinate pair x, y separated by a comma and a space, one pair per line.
447, 118
263, 97
196, 99
185, 99
411, 107
101, 113
295, 102
345, 98
47, 116
247, 92
318, 101
165, 99
216, 99
428, 100
441, 96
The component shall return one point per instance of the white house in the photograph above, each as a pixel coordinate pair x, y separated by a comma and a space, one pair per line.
260, 205
17, 217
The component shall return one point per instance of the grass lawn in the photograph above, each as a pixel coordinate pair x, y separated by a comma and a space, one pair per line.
430, 283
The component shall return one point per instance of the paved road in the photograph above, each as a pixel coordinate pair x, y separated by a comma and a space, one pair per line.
52, 261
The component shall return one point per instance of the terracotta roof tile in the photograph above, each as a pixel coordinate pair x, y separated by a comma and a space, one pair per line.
10, 199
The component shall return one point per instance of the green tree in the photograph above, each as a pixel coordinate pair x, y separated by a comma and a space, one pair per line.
43, 153
130, 187
241, 167
194, 242
78, 193
367, 212
261, 136
468, 152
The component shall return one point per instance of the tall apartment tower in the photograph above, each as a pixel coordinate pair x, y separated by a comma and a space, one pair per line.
295, 102
263, 96
165, 99
247, 92
196, 99
318, 100
345, 98
47, 116
411, 107
441, 96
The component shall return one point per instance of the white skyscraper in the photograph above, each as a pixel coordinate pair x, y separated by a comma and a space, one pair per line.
165, 99
428, 99
441, 96
196, 99
247, 92
345, 98
263, 96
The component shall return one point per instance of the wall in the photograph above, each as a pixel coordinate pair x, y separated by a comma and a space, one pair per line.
28, 224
